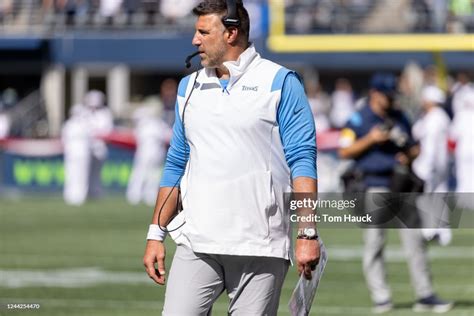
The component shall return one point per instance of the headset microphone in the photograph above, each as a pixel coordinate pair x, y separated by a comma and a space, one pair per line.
187, 61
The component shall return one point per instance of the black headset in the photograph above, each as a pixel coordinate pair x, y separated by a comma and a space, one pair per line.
232, 18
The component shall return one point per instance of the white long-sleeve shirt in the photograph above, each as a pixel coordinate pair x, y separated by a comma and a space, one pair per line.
431, 165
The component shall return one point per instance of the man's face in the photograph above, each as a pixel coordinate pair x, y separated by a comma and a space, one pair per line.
210, 40
383, 101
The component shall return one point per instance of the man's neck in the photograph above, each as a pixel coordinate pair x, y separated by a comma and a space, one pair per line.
222, 72
233, 55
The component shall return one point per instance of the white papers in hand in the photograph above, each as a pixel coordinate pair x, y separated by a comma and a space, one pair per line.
305, 290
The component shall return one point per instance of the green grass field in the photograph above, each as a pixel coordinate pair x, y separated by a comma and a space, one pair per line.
88, 261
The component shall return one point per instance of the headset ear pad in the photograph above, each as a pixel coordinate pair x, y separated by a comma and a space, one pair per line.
231, 19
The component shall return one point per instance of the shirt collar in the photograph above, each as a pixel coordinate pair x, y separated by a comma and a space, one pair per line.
238, 67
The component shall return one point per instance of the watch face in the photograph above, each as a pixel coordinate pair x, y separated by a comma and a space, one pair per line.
310, 232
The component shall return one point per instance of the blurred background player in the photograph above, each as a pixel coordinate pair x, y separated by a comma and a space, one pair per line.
151, 134
319, 102
168, 90
4, 123
76, 138
431, 130
462, 132
431, 165
342, 103
8, 99
378, 138
461, 90
101, 123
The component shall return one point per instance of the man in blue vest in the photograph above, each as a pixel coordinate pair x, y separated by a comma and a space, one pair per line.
378, 138
243, 136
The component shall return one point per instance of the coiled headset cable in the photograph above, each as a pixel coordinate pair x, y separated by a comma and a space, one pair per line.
176, 185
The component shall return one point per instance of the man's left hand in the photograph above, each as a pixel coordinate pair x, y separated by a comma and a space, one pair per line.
307, 256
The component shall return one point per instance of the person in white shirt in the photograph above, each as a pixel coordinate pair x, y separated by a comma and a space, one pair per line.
431, 130
342, 103
76, 139
101, 123
320, 104
431, 165
109, 8
176, 9
151, 134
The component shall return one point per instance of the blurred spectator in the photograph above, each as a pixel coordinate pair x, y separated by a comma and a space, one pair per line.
130, 7
47, 5
4, 123
431, 75
342, 103
101, 124
323, 16
6, 8
389, 16
423, 16
47, 11
66, 7
462, 132
76, 139
431, 130
461, 90
439, 9
8, 100
431, 165
109, 9
341, 17
151, 9
82, 10
151, 134
168, 90
175, 9
320, 104
411, 84
302, 21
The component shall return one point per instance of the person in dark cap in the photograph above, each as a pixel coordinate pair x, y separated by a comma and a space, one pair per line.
378, 138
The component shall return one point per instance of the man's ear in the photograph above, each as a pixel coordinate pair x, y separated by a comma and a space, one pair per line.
232, 35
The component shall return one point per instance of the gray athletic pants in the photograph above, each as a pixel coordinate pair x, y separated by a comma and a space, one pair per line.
196, 280
414, 246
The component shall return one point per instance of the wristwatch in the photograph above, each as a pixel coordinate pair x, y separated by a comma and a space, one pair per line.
307, 233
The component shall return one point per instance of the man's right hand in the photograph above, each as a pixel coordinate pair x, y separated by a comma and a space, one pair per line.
378, 136
155, 252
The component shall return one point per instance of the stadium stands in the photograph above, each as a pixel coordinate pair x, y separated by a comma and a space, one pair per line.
304, 16
382, 16
55, 16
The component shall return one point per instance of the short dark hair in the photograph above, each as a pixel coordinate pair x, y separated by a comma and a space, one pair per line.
220, 7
